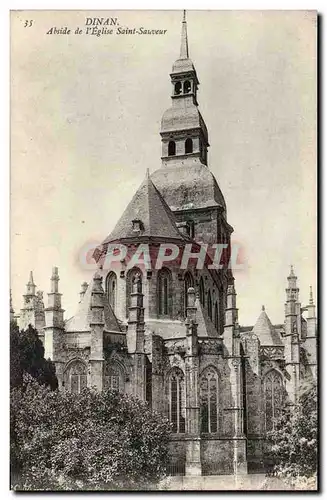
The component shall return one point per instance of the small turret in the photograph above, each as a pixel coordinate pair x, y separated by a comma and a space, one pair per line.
27, 313
293, 326
30, 287
231, 328
54, 319
310, 343
191, 324
97, 327
135, 338
135, 332
54, 327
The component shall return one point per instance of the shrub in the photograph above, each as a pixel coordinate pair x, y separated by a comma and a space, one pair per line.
88, 441
27, 356
293, 442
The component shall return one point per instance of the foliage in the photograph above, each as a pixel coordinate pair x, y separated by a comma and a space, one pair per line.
293, 442
27, 356
85, 441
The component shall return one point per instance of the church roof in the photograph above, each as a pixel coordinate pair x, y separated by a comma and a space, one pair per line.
265, 330
186, 116
152, 212
205, 325
81, 321
188, 187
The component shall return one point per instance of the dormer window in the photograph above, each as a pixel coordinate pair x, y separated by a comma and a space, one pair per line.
137, 225
187, 87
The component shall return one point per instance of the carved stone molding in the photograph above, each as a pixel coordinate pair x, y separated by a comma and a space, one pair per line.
272, 352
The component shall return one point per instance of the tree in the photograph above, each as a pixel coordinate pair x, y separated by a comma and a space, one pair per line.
86, 441
27, 356
293, 442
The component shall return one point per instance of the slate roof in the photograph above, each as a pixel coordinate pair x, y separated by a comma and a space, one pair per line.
81, 321
150, 208
266, 332
188, 187
205, 325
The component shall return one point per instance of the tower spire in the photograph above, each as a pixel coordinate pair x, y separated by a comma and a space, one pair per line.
184, 42
31, 280
30, 286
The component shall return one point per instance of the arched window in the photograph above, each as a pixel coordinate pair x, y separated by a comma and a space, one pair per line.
176, 399
187, 87
216, 317
273, 398
164, 292
188, 145
201, 292
113, 377
76, 376
209, 400
178, 88
188, 283
209, 304
111, 288
129, 285
171, 148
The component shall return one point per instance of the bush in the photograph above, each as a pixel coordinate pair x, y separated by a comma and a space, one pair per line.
293, 443
27, 356
87, 441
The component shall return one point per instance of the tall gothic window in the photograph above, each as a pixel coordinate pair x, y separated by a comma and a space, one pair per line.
129, 285
113, 377
76, 377
171, 148
209, 400
209, 305
273, 398
216, 317
201, 292
176, 399
188, 146
188, 283
111, 286
164, 292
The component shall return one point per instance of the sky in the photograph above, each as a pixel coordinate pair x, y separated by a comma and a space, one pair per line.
85, 122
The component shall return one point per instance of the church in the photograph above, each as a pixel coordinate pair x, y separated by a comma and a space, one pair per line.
171, 336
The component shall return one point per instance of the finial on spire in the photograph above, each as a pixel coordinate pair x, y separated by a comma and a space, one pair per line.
54, 280
311, 297
263, 308
292, 274
31, 281
55, 274
184, 42
147, 175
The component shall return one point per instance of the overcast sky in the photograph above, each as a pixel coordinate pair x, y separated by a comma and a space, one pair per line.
85, 116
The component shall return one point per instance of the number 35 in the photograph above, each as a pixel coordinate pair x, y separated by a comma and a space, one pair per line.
28, 24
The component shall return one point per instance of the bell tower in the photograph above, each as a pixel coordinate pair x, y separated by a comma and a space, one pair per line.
183, 131
184, 179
